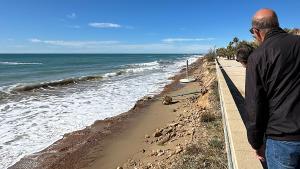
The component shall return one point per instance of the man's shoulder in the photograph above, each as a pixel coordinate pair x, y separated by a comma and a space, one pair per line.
281, 40
292, 36
256, 55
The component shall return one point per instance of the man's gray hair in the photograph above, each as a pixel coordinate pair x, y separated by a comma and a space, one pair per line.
267, 23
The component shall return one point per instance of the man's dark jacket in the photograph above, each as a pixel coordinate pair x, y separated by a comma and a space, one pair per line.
272, 92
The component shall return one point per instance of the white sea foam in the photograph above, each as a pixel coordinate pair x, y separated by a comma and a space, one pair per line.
111, 74
154, 63
141, 69
135, 68
35, 122
19, 63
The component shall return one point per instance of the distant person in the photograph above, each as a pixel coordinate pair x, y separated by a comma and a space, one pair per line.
242, 54
272, 93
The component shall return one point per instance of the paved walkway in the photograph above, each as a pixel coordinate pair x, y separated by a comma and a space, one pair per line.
231, 77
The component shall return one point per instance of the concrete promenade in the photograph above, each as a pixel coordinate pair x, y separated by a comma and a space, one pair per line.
231, 78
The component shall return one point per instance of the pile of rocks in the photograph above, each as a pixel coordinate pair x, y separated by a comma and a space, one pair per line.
180, 133
167, 100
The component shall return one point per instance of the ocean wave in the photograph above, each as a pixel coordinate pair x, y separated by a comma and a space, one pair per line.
3, 95
19, 63
30, 87
112, 74
142, 67
191, 59
134, 68
129, 69
47, 85
154, 63
165, 62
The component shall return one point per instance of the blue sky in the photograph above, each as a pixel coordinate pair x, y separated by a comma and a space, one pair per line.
131, 26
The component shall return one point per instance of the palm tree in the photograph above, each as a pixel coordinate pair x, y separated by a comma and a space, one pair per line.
230, 50
235, 40
221, 52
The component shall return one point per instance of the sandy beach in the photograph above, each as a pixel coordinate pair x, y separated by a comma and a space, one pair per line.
151, 134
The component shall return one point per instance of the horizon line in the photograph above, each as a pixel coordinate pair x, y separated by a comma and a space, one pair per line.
100, 53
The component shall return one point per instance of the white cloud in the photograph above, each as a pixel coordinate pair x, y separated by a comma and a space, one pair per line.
104, 25
171, 40
78, 44
64, 46
34, 40
72, 15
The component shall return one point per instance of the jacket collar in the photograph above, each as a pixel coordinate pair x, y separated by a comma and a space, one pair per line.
274, 32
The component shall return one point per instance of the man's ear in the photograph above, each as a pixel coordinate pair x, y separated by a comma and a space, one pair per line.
258, 35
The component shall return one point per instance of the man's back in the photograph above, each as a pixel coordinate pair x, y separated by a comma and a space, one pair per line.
272, 93
278, 64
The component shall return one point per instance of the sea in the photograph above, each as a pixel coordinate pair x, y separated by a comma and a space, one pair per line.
44, 96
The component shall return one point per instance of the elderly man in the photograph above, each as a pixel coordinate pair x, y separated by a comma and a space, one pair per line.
273, 93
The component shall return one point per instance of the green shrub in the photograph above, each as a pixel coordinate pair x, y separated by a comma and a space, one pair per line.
211, 55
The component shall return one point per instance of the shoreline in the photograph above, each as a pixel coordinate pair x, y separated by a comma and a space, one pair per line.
56, 154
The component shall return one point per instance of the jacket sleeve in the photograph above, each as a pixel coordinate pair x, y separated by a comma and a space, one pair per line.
255, 99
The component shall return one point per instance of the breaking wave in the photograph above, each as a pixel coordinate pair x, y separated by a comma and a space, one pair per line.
19, 63
132, 68
30, 87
